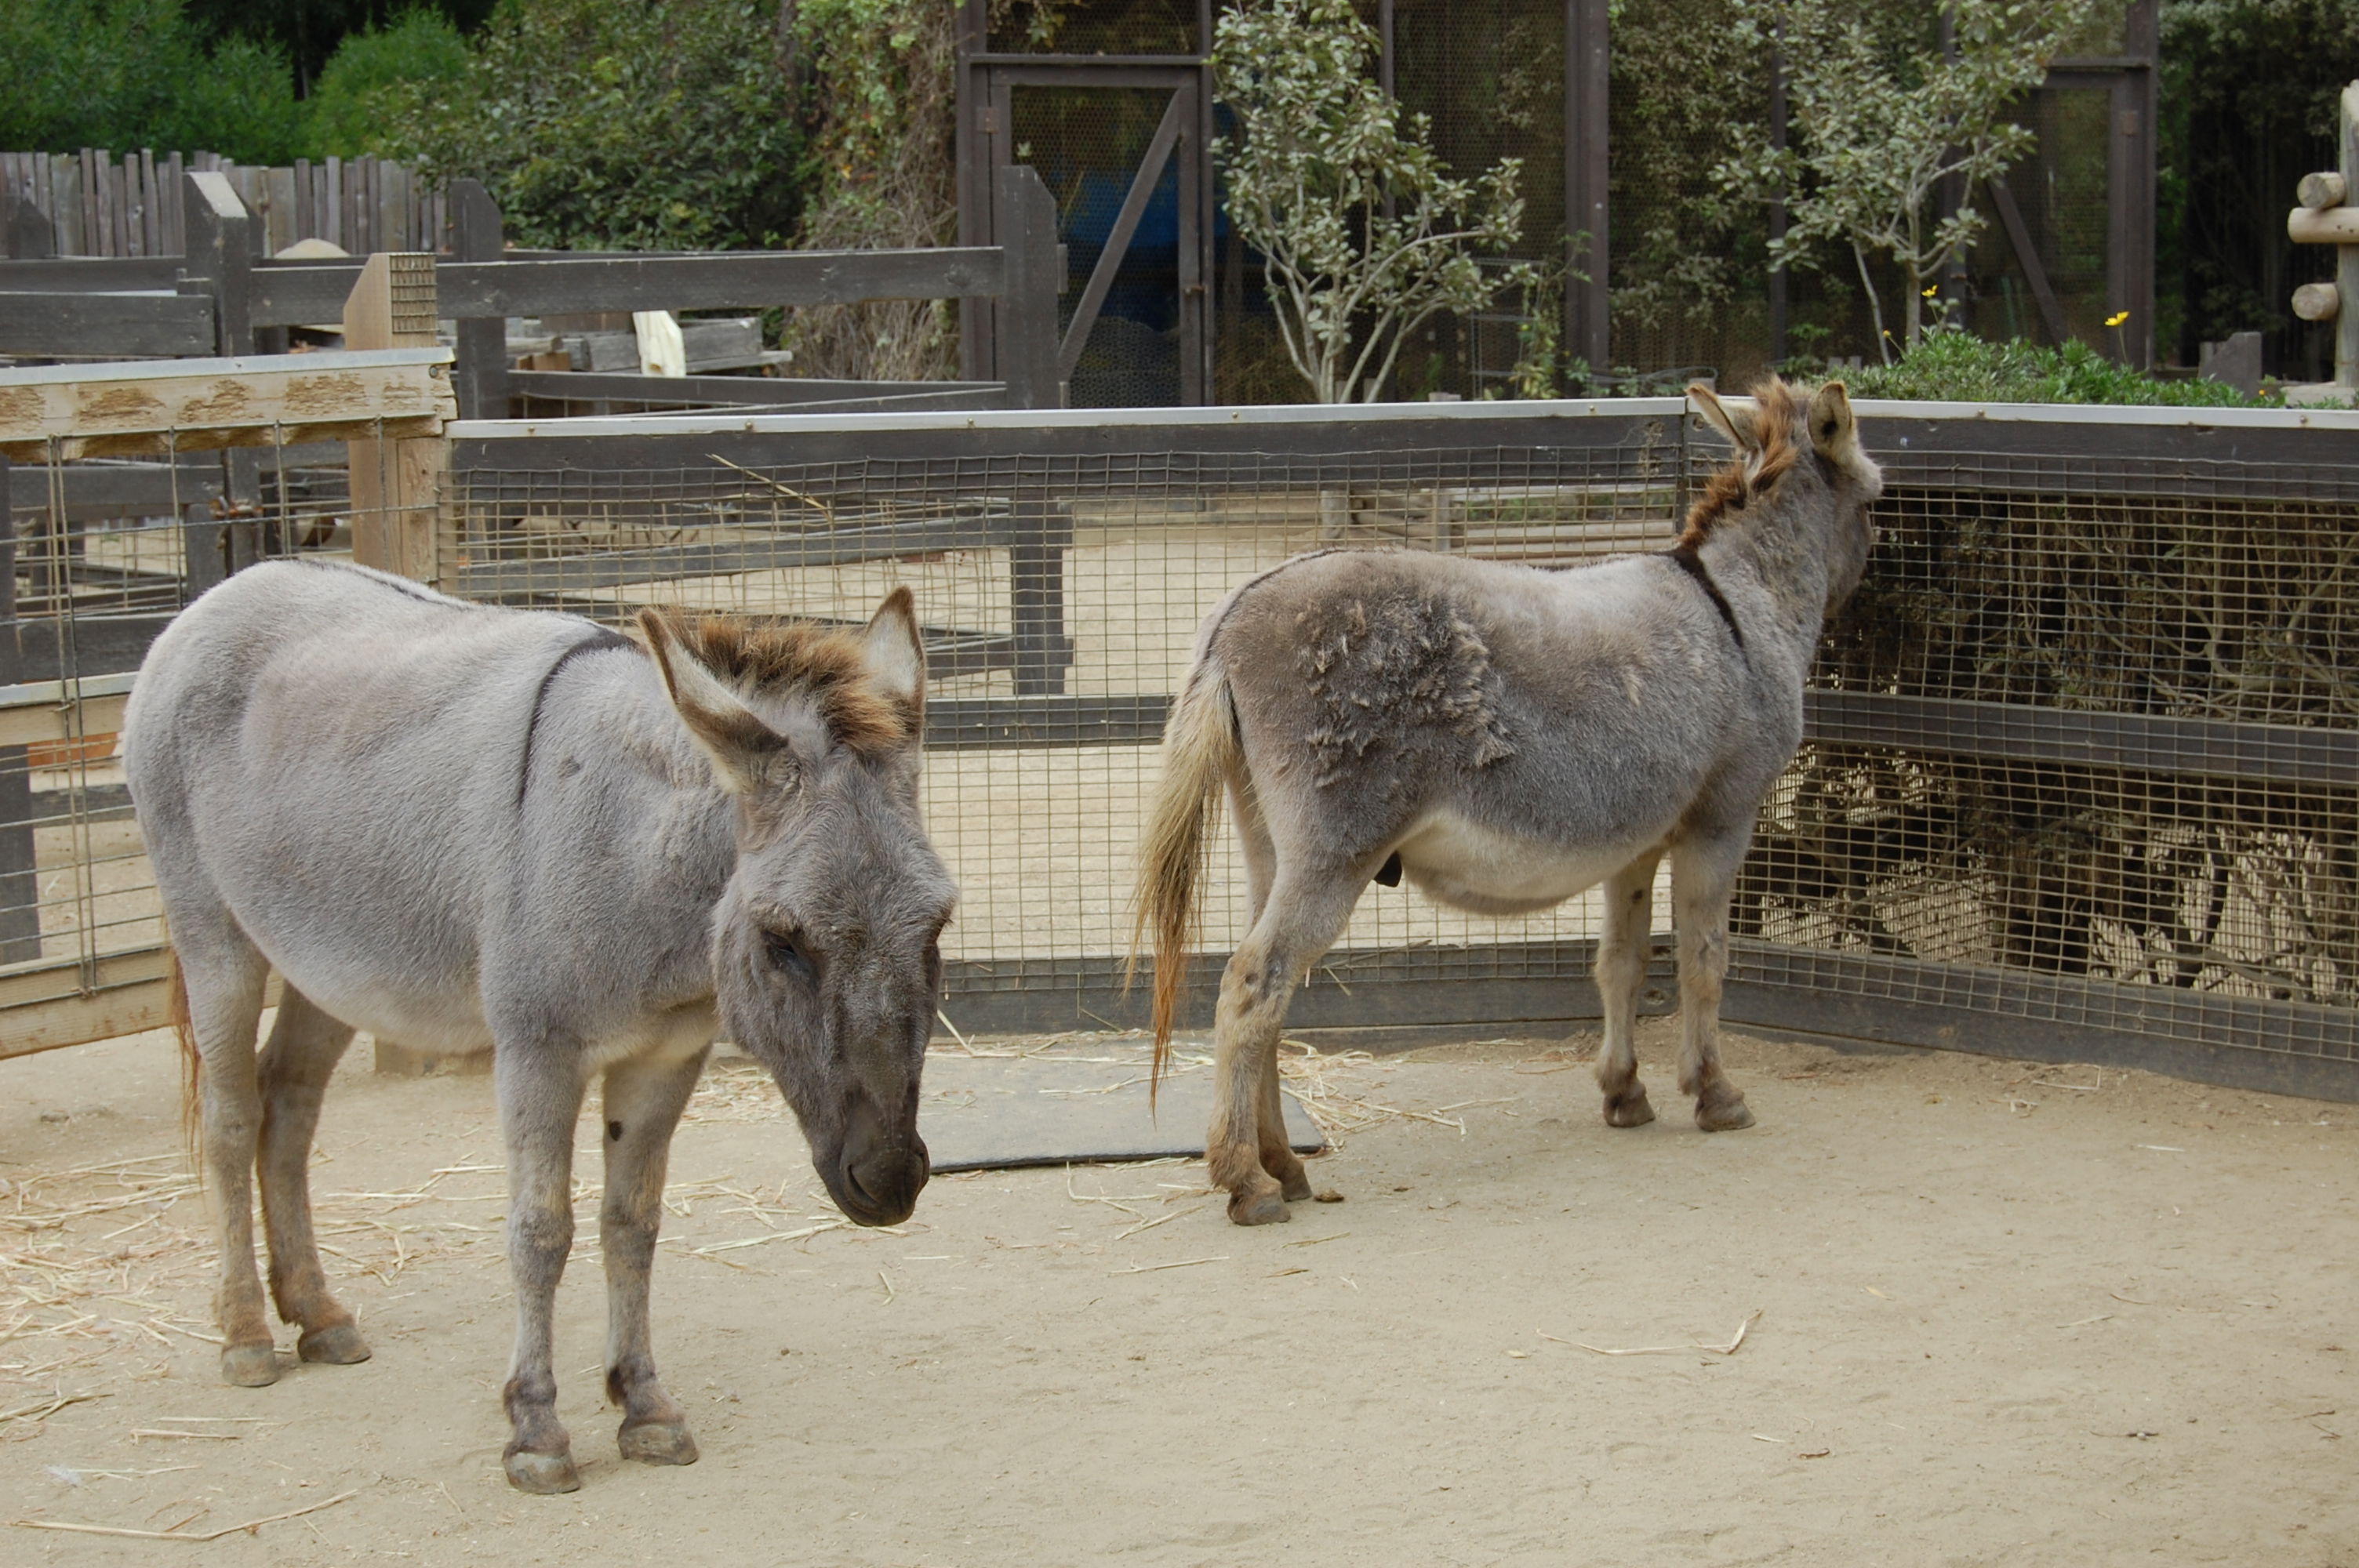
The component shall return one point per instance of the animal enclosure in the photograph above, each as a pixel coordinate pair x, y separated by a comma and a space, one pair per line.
2082, 779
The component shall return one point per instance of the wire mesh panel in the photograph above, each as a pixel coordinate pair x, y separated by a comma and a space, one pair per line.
2082, 773
1058, 598
96, 556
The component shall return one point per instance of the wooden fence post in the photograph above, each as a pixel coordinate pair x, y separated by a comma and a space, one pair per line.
396, 484
1024, 335
220, 264
20, 894
478, 234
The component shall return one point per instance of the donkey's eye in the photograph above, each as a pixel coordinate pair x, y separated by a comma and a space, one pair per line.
788, 956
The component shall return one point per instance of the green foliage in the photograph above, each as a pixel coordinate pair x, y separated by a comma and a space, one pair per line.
372, 73
879, 169
1363, 234
1884, 114
1685, 85
2248, 106
659, 125
131, 73
1957, 367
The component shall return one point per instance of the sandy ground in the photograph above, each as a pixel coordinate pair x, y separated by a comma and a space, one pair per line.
2005, 1314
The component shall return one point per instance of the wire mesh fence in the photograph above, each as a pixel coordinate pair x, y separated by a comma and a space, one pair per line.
96, 556
2082, 769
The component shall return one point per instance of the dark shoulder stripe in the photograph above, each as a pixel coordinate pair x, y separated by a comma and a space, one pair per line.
598, 641
1686, 558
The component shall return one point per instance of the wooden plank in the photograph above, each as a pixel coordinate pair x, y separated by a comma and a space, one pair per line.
30, 725
1025, 346
122, 323
833, 547
715, 282
258, 400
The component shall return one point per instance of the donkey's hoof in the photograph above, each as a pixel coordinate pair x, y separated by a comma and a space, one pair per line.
1297, 1187
1629, 1108
1267, 1206
543, 1475
1719, 1112
338, 1345
657, 1443
250, 1366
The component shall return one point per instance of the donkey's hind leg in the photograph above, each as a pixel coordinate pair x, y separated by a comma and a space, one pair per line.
1278, 1157
1245, 1149
223, 974
642, 1100
305, 1046
1621, 972
1704, 874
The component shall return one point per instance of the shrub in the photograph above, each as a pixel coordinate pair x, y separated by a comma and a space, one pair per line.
1955, 366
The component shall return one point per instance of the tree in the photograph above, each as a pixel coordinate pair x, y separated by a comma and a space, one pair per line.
880, 169
373, 72
658, 125
1363, 235
124, 74
1884, 116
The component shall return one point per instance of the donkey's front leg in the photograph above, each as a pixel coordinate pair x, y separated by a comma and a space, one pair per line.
1703, 873
1621, 973
1246, 1147
643, 1098
540, 1087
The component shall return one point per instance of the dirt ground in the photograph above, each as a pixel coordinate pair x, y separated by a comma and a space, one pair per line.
2005, 1314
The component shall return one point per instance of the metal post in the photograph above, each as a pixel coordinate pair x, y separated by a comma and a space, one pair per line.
477, 234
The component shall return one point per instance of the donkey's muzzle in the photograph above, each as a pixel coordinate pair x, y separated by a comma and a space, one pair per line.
877, 1176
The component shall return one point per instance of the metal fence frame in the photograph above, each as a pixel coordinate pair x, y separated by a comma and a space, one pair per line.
1859, 997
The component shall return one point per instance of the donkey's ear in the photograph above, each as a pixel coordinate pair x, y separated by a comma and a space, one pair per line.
1736, 424
895, 654
1834, 433
742, 749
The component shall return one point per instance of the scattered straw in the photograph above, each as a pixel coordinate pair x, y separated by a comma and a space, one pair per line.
1159, 1268
1728, 1349
249, 1526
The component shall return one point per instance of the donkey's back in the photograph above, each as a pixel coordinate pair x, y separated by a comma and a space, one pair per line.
324, 760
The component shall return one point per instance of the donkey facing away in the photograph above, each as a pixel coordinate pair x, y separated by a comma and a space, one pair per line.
1506, 737
471, 828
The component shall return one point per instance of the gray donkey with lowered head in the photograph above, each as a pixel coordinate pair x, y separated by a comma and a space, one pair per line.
1505, 738
475, 829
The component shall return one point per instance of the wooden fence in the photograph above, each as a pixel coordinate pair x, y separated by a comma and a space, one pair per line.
88, 204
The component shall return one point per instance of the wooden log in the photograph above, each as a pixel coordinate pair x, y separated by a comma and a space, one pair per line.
2334, 226
2320, 191
2316, 301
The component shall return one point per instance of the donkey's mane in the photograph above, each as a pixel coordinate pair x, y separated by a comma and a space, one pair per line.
826, 666
1776, 408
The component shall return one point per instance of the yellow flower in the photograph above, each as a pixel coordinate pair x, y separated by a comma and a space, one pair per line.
2116, 320
1932, 291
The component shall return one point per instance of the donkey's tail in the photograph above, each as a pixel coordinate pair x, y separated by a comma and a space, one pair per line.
184, 1029
1200, 754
